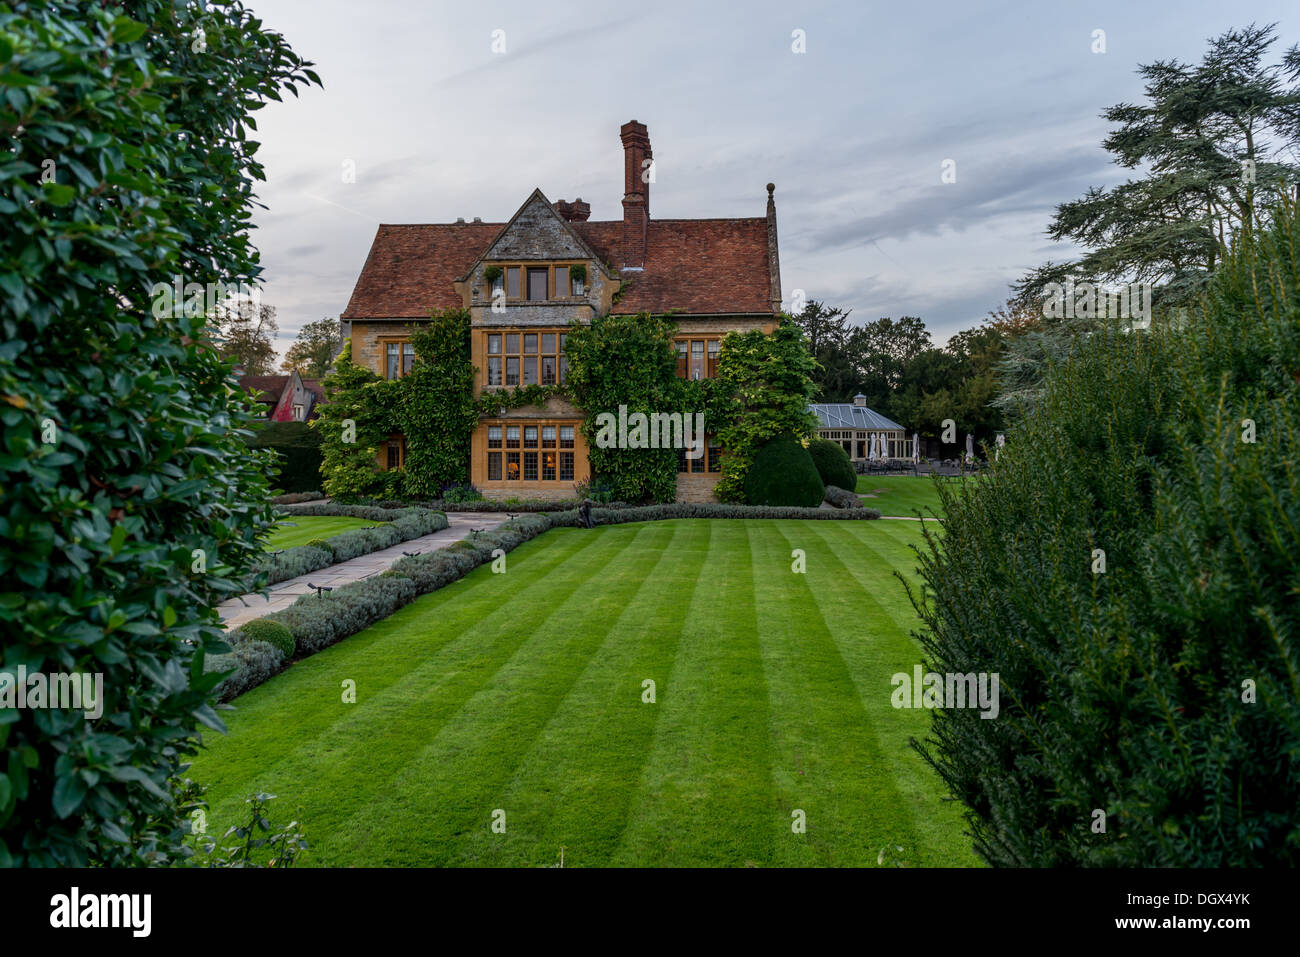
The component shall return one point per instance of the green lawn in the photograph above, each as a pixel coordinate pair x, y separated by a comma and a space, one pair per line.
523, 692
301, 529
901, 494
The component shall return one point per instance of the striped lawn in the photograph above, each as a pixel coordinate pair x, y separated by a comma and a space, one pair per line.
523, 692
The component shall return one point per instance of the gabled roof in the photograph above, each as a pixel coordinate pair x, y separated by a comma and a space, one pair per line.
410, 269
695, 266
577, 246
845, 415
271, 385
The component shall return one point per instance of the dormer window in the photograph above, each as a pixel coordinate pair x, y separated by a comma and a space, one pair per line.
538, 283
526, 282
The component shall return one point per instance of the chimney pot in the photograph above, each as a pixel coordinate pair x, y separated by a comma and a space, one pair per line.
636, 192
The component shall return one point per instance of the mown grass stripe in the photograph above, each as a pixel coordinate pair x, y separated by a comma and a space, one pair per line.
827, 761
706, 792
405, 677
463, 766
592, 750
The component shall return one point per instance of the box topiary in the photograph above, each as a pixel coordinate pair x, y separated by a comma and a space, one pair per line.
833, 464
783, 474
272, 632
320, 543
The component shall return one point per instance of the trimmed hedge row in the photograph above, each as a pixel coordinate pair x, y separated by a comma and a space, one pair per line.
841, 498
318, 622
292, 498
404, 524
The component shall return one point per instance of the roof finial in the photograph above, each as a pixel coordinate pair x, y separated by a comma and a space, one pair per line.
771, 188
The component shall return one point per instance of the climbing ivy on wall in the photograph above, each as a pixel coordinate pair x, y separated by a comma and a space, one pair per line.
629, 361
436, 411
763, 388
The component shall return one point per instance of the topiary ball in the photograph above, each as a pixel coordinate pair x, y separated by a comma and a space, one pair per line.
833, 464
320, 543
272, 632
782, 474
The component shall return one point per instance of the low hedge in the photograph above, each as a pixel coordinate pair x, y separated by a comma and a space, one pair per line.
841, 498
318, 622
403, 525
292, 498
249, 662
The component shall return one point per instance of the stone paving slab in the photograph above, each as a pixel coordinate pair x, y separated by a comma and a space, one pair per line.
237, 611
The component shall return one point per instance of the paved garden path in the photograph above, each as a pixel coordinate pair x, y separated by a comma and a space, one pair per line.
236, 611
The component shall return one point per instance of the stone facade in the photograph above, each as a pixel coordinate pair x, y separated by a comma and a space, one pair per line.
716, 276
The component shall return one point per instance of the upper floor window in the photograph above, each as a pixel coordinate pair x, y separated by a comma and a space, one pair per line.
538, 283
698, 358
526, 358
399, 359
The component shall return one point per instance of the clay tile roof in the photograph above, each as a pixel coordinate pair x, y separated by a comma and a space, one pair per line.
410, 269
695, 266
315, 388
273, 385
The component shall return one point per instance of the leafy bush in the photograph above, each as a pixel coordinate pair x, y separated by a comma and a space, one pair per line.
841, 498
782, 474
833, 464
121, 460
271, 632
293, 562
459, 494
1160, 687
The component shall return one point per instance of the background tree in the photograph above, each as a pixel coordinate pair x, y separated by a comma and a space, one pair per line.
131, 506
827, 331
245, 331
315, 349
1216, 140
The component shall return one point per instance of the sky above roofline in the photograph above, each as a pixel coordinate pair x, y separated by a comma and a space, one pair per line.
435, 125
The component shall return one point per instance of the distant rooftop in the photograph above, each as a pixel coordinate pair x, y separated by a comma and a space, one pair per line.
846, 415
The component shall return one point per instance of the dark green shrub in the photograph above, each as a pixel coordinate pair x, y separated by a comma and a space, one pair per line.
298, 450
271, 632
832, 463
130, 504
319, 543
1161, 689
782, 474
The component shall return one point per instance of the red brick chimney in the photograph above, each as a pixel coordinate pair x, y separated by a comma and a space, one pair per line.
636, 192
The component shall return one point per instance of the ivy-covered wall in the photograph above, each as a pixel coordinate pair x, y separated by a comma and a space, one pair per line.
762, 390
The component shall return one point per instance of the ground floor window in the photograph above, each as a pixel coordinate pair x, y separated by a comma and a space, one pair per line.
393, 453
710, 461
545, 451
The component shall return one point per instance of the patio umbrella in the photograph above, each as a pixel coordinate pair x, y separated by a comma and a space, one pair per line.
875, 446
916, 448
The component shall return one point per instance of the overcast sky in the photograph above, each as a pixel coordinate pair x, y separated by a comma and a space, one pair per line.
854, 131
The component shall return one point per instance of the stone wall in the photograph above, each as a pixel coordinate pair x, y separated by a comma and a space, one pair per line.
696, 489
